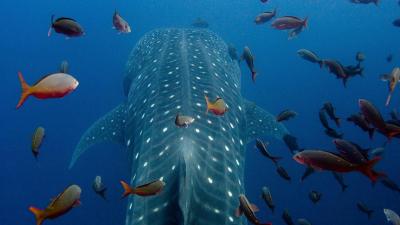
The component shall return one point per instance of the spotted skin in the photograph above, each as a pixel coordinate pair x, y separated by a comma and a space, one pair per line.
169, 72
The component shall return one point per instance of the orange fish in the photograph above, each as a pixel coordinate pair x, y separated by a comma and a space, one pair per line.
218, 107
64, 202
55, 85
149, 189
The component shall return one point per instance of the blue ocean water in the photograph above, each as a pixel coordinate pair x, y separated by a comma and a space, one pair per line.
337, 29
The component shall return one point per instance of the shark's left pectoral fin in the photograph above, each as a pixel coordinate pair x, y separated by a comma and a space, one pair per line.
261, 123
109, 128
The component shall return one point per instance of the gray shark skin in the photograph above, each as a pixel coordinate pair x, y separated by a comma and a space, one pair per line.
170, 71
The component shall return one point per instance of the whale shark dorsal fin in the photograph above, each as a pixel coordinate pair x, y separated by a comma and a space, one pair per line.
261, 123
109, 128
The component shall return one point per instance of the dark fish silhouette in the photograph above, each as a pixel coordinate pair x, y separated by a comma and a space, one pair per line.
323, 119
232, 52
340, 179
307, 173
286, 115
350, 152
200, 23
330, 110
360, 121
283, 173
364, 208
333, 133
67, 26
262, 146
287, 218
99, 187
390, 184
315, 196
291, 143
267, 196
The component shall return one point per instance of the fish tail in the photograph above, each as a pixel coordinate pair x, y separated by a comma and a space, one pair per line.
253, 75
276, 159
345, 81
367, 169
389, 97
127, 189
371, 133
305, 22
268, 223
26, 90
274, 12
337, 121
51, 25
369, 213
207, 103
39, 214
321, 63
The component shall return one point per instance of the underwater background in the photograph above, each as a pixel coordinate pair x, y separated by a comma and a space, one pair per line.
337, 29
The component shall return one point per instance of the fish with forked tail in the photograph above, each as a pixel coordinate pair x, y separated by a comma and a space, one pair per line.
323, 160
58, 206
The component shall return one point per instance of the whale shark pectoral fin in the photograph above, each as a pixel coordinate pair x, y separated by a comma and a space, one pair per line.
109, 128
261, 123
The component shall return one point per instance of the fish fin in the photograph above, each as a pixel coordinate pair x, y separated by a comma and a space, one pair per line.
275, 11
109, 128
384, 77
26, 90
305, 22
367, 169
389, 97
344, 79
39, 214
254, 207
238, 212
77, 203
207, 103
51, 26
253, 75
369, 213
344, 187
316, 168
371, 133
275, 159
127, 189
337, 121
260, 122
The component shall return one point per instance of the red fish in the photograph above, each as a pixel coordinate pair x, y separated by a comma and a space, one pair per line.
372, 114
149, 189
55, 85
322, 160
60, 205
120, 24
289, 22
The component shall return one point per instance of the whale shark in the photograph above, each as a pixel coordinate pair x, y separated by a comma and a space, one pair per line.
170, 71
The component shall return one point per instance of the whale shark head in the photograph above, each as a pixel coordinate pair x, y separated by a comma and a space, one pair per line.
170, 71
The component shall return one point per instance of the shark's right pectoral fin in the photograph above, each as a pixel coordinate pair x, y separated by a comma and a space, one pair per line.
262, 123
109, 128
